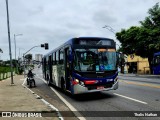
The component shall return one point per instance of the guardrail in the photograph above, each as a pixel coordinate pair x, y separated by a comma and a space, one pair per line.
5, 75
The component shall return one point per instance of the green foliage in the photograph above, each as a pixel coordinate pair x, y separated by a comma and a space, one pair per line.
128, 39
20, 70
145, 39
4, 69
28, 57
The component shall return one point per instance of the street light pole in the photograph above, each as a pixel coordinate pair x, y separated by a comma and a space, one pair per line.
15, 43
45, 45
10, 53
122, 55
109, 28
24, 58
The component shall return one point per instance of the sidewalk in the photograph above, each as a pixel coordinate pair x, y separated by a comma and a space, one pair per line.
19, 99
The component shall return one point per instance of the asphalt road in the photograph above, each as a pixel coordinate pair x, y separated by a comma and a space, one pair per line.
135, 95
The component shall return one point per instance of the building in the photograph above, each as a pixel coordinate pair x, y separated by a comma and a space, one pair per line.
38, 57
137, 64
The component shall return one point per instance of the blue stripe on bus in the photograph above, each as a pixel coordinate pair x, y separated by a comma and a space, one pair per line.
83, 78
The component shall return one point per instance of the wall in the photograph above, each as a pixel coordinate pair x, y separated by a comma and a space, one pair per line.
142, 64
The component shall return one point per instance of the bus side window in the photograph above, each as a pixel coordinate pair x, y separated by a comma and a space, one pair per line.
46, 61
54, 59
61, 56
57, 57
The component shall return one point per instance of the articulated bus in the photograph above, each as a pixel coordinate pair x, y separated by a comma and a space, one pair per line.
156, 63
82, 65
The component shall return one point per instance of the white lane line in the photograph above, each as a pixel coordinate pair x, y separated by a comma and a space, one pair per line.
54, 108
44, 101
42, 79
130, 98
24, 82
73, 109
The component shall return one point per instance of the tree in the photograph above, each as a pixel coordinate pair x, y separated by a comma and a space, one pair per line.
128, 39
14, 62
145, 39
28, 57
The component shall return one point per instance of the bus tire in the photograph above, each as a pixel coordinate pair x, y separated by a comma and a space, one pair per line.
63, 85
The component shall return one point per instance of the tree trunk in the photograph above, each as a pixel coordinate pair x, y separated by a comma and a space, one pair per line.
150, 59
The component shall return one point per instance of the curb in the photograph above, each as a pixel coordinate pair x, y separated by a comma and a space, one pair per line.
44, 101
77, 114
137, 75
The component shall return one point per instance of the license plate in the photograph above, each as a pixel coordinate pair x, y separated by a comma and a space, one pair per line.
100, 87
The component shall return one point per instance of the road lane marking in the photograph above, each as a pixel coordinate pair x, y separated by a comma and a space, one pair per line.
54, 108
73, 109
130, 98
24, 82
141, 84
43, 100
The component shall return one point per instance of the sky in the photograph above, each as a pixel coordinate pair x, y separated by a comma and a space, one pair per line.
56, 21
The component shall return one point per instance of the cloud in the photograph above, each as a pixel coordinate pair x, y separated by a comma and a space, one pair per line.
55, 21
104, 17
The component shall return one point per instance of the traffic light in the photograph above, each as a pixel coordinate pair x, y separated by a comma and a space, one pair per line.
42, 45
46, 46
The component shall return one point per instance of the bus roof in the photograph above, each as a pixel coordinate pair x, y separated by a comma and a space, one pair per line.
73, 41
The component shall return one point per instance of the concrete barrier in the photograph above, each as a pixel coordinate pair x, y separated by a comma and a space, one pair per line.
5, 75
1, 76
8, 74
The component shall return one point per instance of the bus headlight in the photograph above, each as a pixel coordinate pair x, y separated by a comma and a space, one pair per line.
76, 80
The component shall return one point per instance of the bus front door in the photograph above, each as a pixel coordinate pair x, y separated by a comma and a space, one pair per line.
50, 68
67, 69
44, 68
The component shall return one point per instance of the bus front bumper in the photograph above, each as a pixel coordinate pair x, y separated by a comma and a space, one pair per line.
78, 89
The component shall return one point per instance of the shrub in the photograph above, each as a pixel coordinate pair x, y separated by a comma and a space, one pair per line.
4, 69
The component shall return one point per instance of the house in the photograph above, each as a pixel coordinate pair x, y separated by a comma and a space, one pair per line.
137, 64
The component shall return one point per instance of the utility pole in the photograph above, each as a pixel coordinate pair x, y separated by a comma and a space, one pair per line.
10, 52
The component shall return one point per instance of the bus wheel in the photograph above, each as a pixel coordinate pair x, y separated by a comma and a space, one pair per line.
63, 85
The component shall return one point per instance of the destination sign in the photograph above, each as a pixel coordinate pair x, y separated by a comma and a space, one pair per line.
95, 42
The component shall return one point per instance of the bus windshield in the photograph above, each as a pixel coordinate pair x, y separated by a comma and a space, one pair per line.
95, 59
